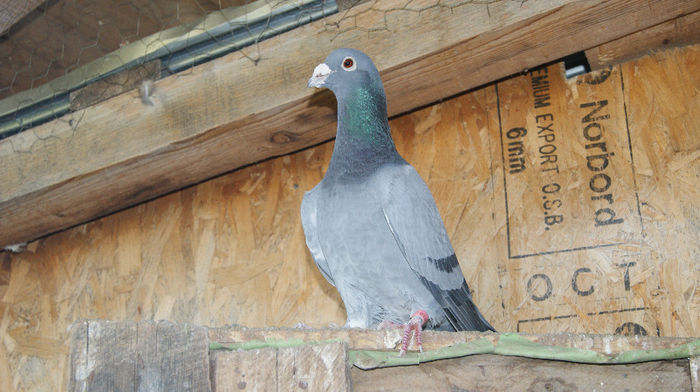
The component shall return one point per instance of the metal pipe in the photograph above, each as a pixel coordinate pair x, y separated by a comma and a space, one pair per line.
178, 48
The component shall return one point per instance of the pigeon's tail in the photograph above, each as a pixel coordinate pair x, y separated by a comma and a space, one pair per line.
466, 317
462, 313
459, 308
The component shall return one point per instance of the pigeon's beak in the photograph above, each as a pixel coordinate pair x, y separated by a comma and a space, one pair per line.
318, 79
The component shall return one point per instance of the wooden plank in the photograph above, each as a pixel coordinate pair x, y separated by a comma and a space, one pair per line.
479, 372
684, 30
113, 369
204, 122
233, 371
130, 356
498, 373
321, 366
315, 367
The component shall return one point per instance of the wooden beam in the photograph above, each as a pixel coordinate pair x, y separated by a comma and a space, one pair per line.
139, 77
498, 373
253, 104
681, 31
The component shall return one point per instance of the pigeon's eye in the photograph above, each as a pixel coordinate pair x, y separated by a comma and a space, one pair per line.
349, 64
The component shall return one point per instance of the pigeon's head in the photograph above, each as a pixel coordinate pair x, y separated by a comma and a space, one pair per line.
345, 70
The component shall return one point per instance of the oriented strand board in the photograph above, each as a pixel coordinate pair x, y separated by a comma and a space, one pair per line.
231, 250
600, 228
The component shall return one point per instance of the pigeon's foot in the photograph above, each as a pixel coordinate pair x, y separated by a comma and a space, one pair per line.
415, 324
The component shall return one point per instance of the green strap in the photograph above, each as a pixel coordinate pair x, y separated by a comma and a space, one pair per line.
510, 344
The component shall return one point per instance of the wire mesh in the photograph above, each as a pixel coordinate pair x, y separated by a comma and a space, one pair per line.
49, 49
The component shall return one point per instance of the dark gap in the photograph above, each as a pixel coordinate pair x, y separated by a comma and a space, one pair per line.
576, 64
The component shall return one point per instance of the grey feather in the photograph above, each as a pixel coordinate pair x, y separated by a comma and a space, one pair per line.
308, 221
411, 213
371, 224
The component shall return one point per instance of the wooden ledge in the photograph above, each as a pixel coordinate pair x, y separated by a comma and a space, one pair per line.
109, 355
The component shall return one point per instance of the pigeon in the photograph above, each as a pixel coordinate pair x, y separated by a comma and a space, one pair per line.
371, 224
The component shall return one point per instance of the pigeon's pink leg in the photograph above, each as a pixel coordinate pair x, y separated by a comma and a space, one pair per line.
418, 319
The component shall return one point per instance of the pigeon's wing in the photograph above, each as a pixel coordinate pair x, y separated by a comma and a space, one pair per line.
308, 221
412, 216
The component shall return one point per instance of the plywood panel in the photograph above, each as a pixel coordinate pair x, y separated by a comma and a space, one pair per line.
231, 250
584, 248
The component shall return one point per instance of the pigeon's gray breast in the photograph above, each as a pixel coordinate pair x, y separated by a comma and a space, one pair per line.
366, 264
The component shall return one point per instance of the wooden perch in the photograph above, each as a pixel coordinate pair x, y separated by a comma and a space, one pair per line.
253, 104
127, 355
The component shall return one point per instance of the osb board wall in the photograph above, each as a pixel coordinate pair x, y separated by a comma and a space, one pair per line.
539, 257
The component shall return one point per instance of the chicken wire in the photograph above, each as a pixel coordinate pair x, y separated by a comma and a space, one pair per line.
50, 48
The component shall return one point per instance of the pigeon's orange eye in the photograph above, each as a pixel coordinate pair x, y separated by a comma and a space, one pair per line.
349, 64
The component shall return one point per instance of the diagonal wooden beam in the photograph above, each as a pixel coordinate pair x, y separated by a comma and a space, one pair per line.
684, 30
254, 104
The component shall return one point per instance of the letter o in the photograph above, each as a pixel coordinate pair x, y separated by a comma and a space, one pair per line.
531, 282
574, 283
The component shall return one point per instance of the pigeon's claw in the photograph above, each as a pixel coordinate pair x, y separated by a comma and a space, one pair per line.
415, 325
